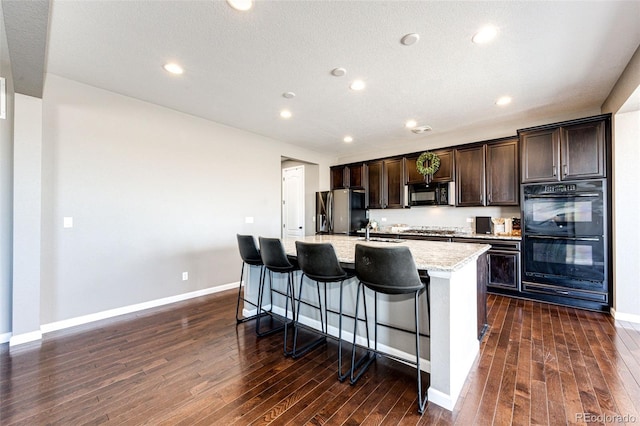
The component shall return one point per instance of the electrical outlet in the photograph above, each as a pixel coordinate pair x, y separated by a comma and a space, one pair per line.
185, 276
384, 219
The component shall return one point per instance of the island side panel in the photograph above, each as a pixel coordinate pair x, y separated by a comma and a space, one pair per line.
454, 340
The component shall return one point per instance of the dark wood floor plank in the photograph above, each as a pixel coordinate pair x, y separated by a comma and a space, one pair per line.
189, 363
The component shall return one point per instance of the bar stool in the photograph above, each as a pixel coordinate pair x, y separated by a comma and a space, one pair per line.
319, 262
276, 261
387, 270
251, 256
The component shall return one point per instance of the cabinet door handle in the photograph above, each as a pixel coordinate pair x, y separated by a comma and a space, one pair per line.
554, 170
564, 167
489, 197
481, 198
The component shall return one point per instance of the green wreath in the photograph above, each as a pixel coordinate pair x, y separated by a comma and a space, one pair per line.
428, 158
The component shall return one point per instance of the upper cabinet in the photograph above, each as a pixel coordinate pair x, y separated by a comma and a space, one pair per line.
503, 186
443, 174
338, 180
571, 150
348, 176
470, 176
357, 176
487, 174
386, 182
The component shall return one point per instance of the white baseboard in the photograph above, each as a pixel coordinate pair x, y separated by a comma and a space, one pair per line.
20, 339
85, 319
440, 398
621, 316
4, 338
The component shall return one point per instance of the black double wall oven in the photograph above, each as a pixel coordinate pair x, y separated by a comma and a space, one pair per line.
565, 247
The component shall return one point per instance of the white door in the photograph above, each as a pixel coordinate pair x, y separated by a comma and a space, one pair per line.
293, 201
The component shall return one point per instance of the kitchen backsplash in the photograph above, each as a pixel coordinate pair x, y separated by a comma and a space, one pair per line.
439, 216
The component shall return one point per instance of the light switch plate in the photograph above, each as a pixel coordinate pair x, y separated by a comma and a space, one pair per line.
68, 222
248, 219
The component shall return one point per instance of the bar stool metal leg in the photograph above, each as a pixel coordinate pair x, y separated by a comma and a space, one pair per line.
252, 317
362, 365
290, 295
298, 352
261, 310
422, 397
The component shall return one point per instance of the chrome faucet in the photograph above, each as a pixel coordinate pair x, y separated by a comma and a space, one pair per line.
366, 232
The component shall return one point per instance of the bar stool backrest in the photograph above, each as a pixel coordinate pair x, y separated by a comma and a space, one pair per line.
319, 262
274, 256
389, 270
248, 250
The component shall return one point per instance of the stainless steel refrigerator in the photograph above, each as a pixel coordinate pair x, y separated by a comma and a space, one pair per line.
341, 211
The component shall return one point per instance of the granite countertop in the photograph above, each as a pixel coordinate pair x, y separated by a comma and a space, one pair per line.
445, 233
428, 255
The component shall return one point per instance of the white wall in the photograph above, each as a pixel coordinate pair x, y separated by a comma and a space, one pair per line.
152, 193
6, 189
27, 219
626, 207
626, 135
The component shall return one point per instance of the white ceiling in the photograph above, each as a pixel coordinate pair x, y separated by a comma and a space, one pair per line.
550, 57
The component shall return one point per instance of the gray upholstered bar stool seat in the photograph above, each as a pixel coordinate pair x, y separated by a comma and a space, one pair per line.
276, 261
319, 262
250, 255
387, 270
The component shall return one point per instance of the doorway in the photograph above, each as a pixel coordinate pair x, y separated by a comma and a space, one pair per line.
293, 202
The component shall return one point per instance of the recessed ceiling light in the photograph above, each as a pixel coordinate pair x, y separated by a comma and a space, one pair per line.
410, 124
410, 39
285, 113
288, 95
338, 72
485, 35
505, 100
241, 5
173, 68
357, 85
348, 139
421, 129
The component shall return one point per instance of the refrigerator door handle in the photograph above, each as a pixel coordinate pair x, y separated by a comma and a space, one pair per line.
330, 211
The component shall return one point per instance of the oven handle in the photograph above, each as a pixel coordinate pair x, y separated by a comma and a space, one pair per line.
572, 195
549, 237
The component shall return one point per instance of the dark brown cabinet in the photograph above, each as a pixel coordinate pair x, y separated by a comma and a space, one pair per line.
564, 152
470, 176
348, 176
411, 171
374, 185
487, 174
503, 269
393, 183
446, 170
443, 174
386, 182
582, 151
357, 176
338, 180
502, 174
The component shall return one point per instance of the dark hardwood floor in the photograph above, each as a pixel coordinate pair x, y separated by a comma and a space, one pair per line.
189, 363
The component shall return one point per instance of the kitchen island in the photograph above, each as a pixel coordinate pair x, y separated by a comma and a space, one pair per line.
451, 343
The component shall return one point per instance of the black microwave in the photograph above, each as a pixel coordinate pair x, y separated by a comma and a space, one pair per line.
432, 194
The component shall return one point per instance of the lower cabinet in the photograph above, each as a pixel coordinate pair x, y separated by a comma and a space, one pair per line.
503, 263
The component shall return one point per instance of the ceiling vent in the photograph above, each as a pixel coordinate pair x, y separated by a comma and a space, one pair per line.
421, 129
